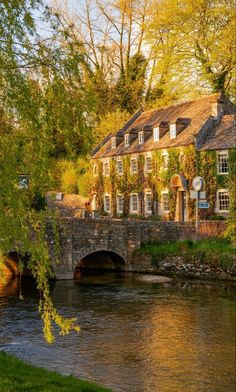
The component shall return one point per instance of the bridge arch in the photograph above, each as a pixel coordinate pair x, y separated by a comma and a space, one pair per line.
101, 259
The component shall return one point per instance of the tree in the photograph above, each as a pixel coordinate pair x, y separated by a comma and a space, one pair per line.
197, 40
24, 148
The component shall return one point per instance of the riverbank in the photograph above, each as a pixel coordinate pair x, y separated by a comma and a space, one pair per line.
210, 258
17, 376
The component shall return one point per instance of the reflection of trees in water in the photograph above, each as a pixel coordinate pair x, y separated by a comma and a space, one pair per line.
9, 288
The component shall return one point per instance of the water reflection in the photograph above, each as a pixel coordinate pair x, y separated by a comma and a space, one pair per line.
136, 336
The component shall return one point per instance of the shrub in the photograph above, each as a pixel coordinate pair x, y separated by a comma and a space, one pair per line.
69, 180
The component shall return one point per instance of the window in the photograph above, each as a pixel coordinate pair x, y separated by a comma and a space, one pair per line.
107, 204
223, 200
95, 169
223, 162
106, 169
119, 167
120, 204
113, 142
172, 131
127, 140
133, 166
148, 165
156, 134
165, 201
148, 202
141, 137
165, 160
134, 203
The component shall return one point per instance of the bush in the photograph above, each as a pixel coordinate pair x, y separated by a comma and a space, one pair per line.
69, 180
216, 217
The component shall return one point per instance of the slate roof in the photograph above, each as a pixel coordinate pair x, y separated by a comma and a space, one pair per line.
221, 136
196, 113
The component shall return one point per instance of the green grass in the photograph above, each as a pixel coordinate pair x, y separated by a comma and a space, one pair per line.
215, 251
17, 376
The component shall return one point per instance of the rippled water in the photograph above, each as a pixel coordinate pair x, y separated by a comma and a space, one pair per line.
137, 335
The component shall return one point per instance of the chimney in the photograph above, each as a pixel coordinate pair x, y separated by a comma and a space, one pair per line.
217, 109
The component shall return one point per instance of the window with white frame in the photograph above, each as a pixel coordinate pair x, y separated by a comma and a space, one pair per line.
113, 142
127, 140
165, 160
148, 202
95, 169
107, 203
120, 204
119, 167
148, 164
141, 137
223, 162
133, 165
156, 134
106, 169
165, 201
223, 200
134, 203
172, 131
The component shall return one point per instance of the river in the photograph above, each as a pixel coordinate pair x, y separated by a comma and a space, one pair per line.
137, 335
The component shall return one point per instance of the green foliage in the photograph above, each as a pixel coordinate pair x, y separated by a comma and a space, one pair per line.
17, 376
110, 123
231, 224
213, 251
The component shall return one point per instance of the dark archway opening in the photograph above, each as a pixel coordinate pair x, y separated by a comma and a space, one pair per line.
101, 260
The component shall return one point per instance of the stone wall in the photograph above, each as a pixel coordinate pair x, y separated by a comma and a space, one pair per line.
82, 237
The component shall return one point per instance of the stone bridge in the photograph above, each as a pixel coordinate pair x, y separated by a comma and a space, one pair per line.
110, 244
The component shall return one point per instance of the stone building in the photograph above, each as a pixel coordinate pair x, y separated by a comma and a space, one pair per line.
146, 167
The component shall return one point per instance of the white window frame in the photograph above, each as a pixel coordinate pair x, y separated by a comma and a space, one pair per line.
132, 171
217, 209
156, 134
163, 193
140, 137
127, 140
165, 159
148, 170
113, 142
147, 209
221, 153
118, 209
119, 169
173, 131
106, 168
108, 210
95, 170
132, 210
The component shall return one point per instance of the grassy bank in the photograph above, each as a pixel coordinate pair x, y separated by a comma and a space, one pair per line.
17, 376
215, 251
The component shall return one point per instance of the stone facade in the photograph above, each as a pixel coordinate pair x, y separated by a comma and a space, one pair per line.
79, 238
147, 167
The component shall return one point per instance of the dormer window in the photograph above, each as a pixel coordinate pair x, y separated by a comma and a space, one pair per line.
156, 134
127, 140
141, 137
172, 131
113, 142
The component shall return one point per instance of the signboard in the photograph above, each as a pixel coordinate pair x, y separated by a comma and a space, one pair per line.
195, 195
203, 204
23, 181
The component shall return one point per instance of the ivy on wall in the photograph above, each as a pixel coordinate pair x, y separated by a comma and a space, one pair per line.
181, 160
